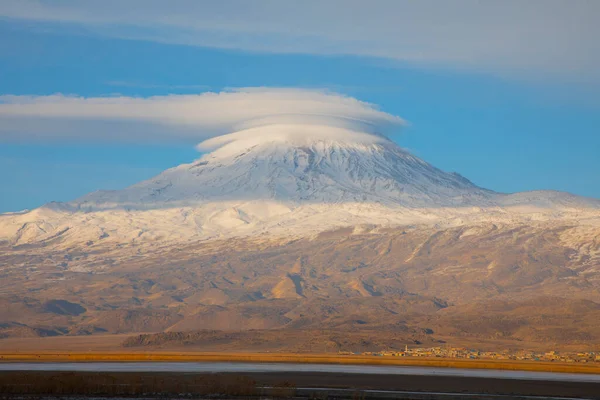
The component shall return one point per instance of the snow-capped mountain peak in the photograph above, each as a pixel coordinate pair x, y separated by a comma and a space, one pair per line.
288, 179
300, 164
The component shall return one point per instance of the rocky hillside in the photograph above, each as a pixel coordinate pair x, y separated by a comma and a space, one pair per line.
278, 228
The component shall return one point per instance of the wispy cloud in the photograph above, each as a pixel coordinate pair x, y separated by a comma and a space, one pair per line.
189, 118
549, 38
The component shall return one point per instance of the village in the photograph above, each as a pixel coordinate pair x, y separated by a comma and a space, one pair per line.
464, 353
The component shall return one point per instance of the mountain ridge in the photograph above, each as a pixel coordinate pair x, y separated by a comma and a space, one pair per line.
291, 231
282, 180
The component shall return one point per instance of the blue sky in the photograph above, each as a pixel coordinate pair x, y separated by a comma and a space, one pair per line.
504, 125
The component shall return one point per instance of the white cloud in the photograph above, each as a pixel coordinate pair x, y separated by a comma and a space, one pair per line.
187, 118
550, 38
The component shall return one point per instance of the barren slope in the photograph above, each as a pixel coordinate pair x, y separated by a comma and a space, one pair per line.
294, 232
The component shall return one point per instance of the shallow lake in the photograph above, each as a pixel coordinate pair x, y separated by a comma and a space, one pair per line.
214, 367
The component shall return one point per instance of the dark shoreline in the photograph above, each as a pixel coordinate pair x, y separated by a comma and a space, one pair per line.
283, 385
442, 384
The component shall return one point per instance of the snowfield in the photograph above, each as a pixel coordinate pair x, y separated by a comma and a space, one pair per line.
288, 180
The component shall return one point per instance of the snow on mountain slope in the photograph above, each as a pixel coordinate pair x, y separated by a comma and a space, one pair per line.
287, 179
299, 165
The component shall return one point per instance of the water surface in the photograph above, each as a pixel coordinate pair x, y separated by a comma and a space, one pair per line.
214, 367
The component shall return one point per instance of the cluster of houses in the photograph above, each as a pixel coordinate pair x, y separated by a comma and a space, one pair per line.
460, 352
